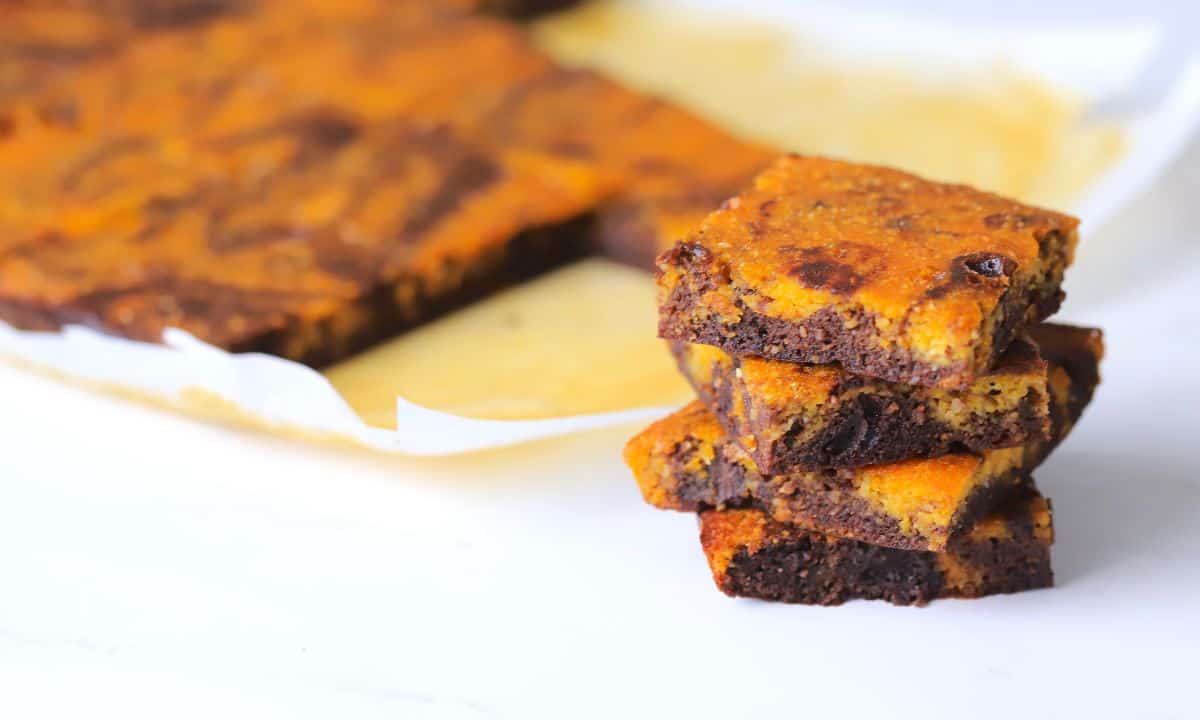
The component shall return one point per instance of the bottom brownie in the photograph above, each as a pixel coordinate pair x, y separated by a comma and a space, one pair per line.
753, 556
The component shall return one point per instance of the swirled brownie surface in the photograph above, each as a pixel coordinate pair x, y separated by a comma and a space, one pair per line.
304, 178
751, 555
886, 273
673, 167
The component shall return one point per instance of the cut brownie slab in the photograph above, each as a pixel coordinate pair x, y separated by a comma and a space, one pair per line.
752, 555
687, 462
790, 416
299, 201
890, 275
253, 173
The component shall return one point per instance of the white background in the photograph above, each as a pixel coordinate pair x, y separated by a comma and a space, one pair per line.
155, 566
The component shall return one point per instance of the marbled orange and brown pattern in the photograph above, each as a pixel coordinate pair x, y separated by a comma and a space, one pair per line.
752, 555
687, 462
303, 177
791, 416
890, 275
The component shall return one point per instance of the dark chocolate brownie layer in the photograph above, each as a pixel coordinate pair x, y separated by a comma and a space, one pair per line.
753, 556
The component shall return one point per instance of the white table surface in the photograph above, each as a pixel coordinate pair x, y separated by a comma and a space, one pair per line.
155, 566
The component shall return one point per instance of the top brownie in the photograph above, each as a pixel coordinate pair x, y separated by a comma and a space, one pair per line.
890, 275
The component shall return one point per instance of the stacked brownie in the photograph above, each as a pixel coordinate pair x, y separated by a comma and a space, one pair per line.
875, 386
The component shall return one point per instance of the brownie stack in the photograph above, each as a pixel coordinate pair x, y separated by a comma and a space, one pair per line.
875, 386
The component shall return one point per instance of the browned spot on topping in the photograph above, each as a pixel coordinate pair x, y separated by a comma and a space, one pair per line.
820, 205
903, 223
841, 269
7, 126
827, 275
887, 205
765, 208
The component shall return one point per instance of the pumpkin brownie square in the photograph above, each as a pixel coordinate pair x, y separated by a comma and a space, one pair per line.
790, 416
751, 555
888, 274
